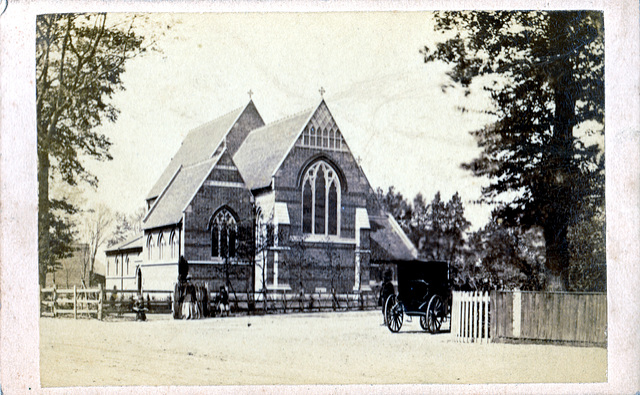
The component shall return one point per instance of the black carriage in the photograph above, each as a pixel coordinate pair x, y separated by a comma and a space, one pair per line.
423, 291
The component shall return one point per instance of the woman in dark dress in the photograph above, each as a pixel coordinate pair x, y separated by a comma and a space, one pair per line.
386, 290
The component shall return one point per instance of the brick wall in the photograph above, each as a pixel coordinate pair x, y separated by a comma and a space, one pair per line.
247, 121
355, 193
214, 275
208, 199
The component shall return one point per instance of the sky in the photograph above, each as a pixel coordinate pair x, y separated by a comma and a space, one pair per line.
390, 106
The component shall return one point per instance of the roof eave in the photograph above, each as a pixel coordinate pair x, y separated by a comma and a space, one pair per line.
293, 143
164, 190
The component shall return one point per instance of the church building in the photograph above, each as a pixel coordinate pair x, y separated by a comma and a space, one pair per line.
281, 206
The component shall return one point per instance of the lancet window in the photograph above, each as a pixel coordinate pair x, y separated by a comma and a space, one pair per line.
319, 137
320, 200
224, 232
150, 247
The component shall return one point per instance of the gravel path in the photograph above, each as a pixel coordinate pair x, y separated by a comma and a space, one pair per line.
322, 348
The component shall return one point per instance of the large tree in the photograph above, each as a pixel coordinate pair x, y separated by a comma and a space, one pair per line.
545, 74
79, 63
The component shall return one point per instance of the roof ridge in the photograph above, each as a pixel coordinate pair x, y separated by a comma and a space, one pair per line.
202, 162
216, 119
283, 119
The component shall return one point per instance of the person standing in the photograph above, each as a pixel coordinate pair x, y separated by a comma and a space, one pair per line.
386, 290
223, 300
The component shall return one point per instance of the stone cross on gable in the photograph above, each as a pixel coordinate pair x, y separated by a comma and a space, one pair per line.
322, 92
250, 93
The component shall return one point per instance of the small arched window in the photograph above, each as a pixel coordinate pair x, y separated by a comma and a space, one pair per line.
150, 248
320, 200
173, 244
161, 245
224, 231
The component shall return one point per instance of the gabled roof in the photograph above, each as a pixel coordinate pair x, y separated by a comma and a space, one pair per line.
388, 241
265, 147
132, 243
200, 144
169, 206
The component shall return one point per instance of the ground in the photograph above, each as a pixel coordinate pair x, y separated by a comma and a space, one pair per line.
319, 348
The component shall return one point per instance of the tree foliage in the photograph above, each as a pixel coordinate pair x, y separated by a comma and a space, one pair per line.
505, 258
126, 226
437, 229
79, 63
544, 72
587, 241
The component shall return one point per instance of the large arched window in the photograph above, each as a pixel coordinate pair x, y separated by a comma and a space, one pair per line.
320, 200
224, 231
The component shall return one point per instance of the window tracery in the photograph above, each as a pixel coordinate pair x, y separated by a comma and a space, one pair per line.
320, 200
224, 231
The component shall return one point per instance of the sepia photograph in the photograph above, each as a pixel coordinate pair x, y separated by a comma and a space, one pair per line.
320, 199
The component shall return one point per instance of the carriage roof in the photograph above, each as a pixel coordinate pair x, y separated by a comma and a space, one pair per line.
434, 273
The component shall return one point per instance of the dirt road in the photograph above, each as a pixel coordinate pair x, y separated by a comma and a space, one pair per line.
323, 348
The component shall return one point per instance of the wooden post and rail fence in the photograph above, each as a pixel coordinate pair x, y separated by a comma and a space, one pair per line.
99, 302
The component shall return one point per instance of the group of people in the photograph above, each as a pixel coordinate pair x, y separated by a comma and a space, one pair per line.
192, 302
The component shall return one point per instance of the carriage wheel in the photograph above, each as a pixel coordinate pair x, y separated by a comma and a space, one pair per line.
423, 322
435, 314
393, 314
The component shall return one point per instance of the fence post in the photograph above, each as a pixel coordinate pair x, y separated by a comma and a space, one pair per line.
478, 317
486, 300
54, 299
517, 313
454, 318
75, 302
100, 300
493, 311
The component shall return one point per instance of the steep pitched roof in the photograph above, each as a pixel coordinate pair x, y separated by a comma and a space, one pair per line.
265, 147
176, 196
200, 144
388, 241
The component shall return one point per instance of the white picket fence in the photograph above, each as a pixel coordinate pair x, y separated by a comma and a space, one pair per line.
470, 317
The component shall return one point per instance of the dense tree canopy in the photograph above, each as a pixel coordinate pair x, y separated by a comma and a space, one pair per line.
79, 63
438, 229
545, 74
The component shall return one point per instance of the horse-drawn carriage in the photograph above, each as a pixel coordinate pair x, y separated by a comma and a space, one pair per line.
423, 291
